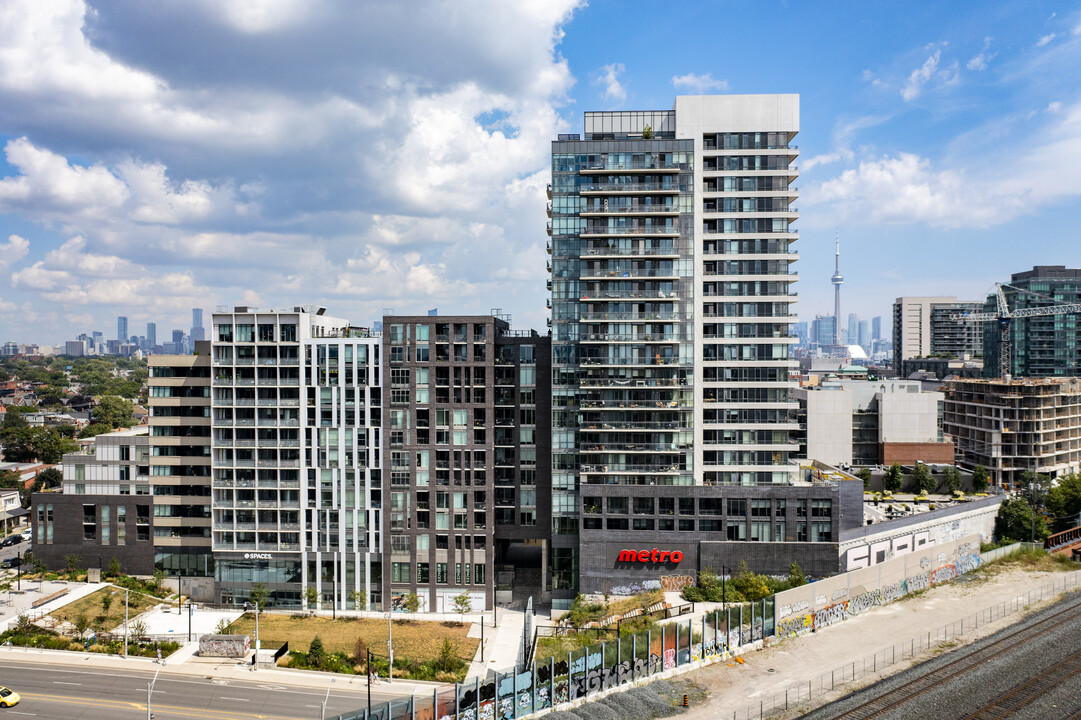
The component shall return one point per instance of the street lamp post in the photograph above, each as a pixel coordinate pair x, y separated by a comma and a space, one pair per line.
149, 692
323, 710
256, 606
390, 649
369, 682
724, 598
189, 622
126, 591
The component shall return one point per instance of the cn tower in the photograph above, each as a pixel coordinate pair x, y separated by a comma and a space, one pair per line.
837, 280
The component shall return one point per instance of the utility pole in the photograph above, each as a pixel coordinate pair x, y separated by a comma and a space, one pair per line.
189, 622
369, 665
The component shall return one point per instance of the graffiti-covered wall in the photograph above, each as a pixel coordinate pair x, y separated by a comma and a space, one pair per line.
835, 599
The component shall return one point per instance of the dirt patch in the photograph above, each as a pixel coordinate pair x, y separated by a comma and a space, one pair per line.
795, 662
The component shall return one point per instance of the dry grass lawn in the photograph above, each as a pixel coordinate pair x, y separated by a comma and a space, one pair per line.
414, 640
91, 607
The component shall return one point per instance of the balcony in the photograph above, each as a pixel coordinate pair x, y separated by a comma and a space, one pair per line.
244, 361
647, 187
647, 166
549, 191
660, 231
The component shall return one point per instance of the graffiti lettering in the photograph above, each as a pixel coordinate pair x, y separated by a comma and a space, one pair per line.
967, 563
842, 593
830, 615
675, 583
943, 574
919, 582
863, 602
669, 659
892, 592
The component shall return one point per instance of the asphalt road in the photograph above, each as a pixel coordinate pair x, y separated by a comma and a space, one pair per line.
70, 693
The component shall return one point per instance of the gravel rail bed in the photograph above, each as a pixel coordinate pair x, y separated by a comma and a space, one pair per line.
982, 684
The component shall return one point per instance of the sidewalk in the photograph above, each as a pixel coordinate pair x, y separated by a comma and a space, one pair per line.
502, 643
20, 602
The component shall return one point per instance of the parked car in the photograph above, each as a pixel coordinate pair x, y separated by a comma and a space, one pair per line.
11, 540
11, 562
8, 697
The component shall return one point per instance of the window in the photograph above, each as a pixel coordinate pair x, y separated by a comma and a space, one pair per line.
643, 524
822, 531
737, 531
441, 573
617, 505
737, 507
478, 573
422, 571
686, 507
709, 525
616, 523
760, 530
666, 506
760, 508
821, 508
399, 572
686, 524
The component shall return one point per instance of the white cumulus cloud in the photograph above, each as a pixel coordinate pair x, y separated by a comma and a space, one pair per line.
699, 84
14, 250
608, 78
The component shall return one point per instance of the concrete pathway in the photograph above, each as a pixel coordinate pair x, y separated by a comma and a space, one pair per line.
502, 643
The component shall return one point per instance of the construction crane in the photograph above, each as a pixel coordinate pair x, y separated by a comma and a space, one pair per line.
1005, 315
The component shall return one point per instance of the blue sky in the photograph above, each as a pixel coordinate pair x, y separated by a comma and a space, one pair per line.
389, 155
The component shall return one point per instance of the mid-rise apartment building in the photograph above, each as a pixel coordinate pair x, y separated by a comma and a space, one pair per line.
104, 509
180, 461
1014, 426
295, 416
925, 326
466, 447
1041, 346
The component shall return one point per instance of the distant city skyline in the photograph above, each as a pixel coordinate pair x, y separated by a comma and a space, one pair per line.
931, 137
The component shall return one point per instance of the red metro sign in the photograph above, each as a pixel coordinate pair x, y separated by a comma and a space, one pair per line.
650, 556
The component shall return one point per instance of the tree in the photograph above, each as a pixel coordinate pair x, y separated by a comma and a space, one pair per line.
952, 477
114, 569
448, 656
796, 578
980, 479
113, 411
158, 583
74, 565
411, 602
463, 604
50, 478
922, 480
864, 474
258, 595
1064, 501
106, 603
316, 653
50, 446
360, 651
139, 630
892, 480
82, 623
95, 429
359, 598
311, 598
1014, 522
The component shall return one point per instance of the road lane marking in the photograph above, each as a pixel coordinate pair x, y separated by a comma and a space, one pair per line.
193, 712
237, 699
61, 682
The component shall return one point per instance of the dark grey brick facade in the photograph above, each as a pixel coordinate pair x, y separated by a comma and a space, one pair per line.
87, 526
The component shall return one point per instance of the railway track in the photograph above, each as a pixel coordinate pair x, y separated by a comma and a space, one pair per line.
1025, 693
902, 695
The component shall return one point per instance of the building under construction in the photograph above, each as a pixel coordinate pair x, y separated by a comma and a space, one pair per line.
1011, 426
